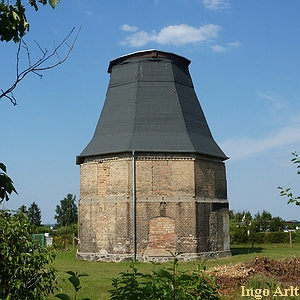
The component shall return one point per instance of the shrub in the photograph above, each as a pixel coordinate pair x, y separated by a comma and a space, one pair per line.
26, 270
75, 281
275, 237
165, 284
239, 235
63, 236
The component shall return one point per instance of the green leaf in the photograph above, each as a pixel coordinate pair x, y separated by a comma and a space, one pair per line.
3, 167
15, 16
33, 3
163, 273
185, 277
83, 274
71, 273
62, 297
53, 3
75, 281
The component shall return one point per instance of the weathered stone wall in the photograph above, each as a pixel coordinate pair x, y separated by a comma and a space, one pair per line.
210, 179
181, 206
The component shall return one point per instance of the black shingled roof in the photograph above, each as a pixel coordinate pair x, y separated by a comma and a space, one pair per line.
151, 106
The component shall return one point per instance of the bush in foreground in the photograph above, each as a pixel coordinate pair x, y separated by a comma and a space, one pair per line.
26, 270
165, 284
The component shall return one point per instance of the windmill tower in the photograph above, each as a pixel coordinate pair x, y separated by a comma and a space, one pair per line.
152, 178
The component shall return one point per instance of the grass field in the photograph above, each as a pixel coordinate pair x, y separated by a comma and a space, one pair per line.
97, 284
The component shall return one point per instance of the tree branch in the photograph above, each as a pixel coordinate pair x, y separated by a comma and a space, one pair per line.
39, 65
287, 192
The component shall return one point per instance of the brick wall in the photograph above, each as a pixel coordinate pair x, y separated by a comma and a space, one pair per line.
175, 207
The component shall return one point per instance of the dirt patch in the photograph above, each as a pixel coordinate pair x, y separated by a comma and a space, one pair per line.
285, 272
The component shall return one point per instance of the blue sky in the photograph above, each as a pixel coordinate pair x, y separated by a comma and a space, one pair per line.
245, 68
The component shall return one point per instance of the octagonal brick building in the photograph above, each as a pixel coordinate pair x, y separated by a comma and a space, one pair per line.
152, 178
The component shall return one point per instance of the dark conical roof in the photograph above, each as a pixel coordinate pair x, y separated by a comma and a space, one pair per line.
151, 106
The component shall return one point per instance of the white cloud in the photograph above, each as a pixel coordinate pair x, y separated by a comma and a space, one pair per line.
235, 44
219, 48
137, 39
174, 34
89, 12
216, 4
276, 100
126, 27
238, 149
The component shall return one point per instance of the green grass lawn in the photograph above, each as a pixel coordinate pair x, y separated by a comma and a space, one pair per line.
97, 284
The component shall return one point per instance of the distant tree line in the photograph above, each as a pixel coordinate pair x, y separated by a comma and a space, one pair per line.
66, 212
260, 228
262, 221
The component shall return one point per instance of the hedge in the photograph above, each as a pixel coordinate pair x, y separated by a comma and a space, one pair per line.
242, 237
